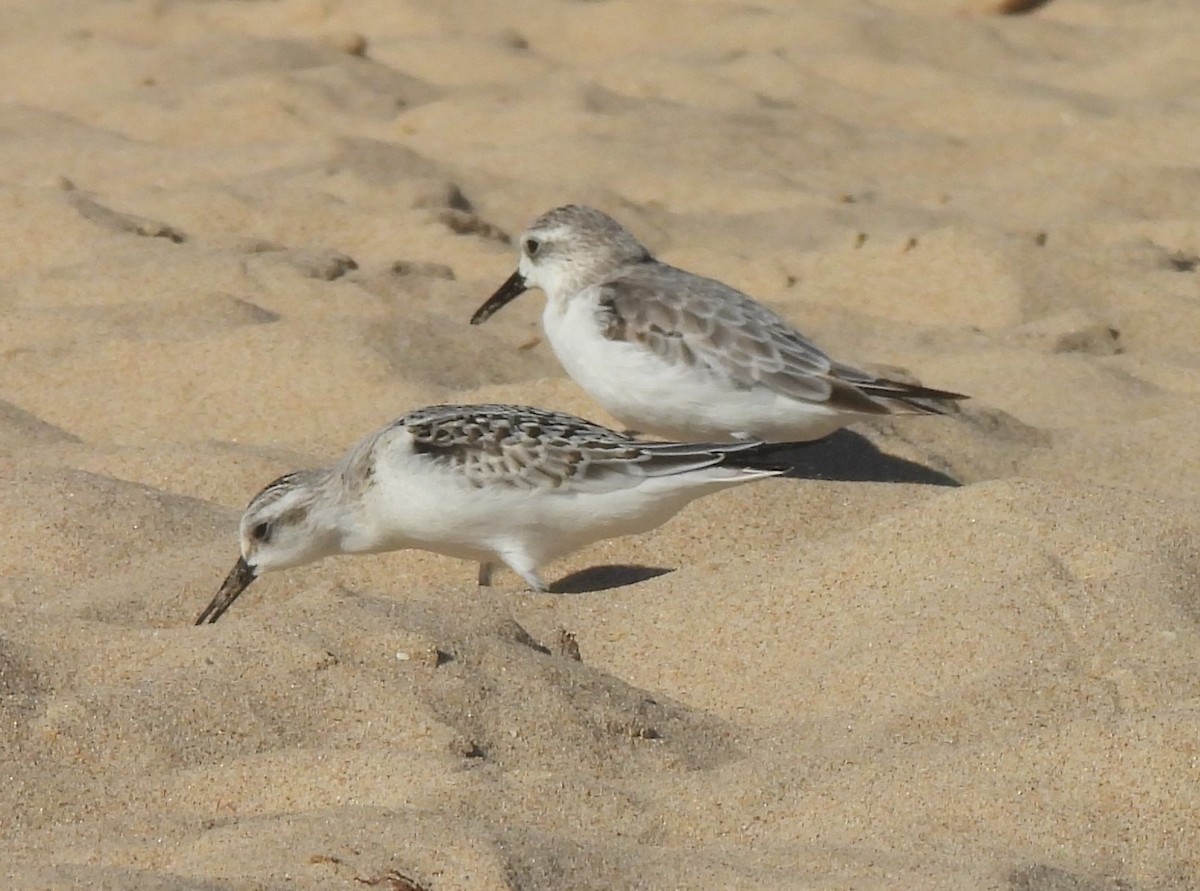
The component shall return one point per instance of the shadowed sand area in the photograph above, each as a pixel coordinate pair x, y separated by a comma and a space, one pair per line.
951, 653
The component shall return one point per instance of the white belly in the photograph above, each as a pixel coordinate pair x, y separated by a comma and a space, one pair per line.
674, 401
437, 510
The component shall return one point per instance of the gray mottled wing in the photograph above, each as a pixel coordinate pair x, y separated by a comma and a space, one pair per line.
535, 449
685, 318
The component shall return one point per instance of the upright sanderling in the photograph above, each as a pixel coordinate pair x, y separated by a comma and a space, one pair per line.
491, 483
681, 356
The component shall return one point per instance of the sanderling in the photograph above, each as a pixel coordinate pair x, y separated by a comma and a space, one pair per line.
680, 356
491, 483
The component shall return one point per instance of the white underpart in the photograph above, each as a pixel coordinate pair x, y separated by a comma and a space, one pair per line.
672, 401
412, 506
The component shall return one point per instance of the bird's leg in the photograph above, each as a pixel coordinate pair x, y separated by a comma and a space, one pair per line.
535, 582
526, 569
485, 574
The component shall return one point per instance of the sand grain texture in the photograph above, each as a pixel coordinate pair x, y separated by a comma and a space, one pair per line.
949, 653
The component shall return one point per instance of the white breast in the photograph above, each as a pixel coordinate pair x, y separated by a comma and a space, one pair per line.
669, 400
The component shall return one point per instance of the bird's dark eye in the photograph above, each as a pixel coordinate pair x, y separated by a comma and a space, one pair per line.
261, 532
531, 246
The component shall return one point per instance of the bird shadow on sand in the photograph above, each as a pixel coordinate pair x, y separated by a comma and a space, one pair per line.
603, 578
850, 457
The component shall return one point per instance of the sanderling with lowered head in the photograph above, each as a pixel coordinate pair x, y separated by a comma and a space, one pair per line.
681, 356
490, 483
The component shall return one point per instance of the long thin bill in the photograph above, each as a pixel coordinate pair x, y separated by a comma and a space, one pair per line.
508, 292
235, 583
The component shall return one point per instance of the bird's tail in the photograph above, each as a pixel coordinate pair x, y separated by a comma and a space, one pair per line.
730, 460
767, 457
904, 397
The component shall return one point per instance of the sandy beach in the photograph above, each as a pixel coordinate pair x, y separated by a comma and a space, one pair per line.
954, 653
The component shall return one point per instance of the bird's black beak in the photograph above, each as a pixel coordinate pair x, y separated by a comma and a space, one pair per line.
235, 583
508, 292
